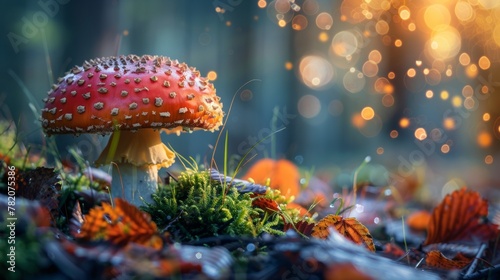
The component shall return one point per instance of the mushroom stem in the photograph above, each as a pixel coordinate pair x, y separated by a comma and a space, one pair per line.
134, 183
136, 158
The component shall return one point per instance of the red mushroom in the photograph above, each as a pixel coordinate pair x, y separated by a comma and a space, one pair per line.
134, 98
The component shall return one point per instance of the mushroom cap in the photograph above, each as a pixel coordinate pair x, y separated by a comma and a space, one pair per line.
129, 93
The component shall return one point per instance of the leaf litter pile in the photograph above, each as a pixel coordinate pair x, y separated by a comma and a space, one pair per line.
203, 224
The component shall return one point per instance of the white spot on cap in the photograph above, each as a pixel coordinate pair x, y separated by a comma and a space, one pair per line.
145, 100
63, 100
132, 106
158, 101
165, 114
114, 111
183, 110
98, 105
80, 109
173, 94
68, 116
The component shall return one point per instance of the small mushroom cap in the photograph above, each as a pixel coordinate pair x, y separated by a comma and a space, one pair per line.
130, 93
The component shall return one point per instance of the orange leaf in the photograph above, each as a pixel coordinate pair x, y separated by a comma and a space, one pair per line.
438, 260
284, 175
419, 220
460, 216
351, 228
267, 204
120, 225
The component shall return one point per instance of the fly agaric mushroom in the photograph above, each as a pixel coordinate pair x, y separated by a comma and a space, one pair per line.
134, 98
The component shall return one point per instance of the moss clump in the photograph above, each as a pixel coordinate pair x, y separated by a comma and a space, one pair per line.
195, 207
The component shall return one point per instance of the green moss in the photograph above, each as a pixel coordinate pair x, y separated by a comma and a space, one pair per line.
195, 207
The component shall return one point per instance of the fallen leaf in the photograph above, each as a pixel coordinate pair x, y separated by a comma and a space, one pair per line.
302, 227
351, 228
419, 220
461, 216
267, 204
438, 260
120, 225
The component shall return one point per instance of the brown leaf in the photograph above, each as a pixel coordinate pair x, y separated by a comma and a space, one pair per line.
438, 260
461, 216
351, 228
120, 225
302, 227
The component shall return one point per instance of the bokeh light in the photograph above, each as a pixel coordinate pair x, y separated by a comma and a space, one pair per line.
420, 133
344, 43
315, 71
309, 106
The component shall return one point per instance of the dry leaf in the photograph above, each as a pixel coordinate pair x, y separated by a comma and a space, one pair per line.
351, 228
267, 204
302, 227
120, 225
438, 260
461, 216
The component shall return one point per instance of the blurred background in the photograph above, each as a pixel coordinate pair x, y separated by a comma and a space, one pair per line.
414, 85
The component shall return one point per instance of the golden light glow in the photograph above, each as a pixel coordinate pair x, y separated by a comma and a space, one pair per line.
404, 122
262, 4
411, 72
382, 27
486, 117
281, 23
323, 37
288, 65
391, 75
471, 71
380, 150
449, 123
429, 94
445, 43
488, 159
420, 134
344, 43
484, 63
437, 17
125, 32
464, 59
382, 85
444, 95
228, 23
398, 43
445, 148
464, 11
412, 26
367, 113
404, 12
315, 71
212, 75
456, 101
484, 139
357, 121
